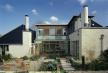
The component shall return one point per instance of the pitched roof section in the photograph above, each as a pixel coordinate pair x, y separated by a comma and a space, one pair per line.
75, 17
95, 24
13, 37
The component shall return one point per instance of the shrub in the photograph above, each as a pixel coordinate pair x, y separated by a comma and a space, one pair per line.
50, 66
76, 65
24, 58
35, 57
52, 56
7, 57
101, 63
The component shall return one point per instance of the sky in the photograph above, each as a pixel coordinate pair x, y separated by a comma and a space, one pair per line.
48, 11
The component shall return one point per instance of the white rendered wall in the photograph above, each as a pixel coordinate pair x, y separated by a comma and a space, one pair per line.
91, 44
23, 49
75, 36
78, 24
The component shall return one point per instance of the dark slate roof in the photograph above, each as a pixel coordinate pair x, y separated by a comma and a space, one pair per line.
73, 19
13, 37
95, 24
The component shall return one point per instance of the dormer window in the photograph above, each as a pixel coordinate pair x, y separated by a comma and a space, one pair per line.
92, 24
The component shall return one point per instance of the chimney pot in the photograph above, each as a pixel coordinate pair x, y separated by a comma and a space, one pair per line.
85, 6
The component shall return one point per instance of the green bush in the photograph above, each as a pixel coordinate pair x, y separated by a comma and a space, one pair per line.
33, 58
7, 57
52, 56
50, 66
101, 63
24, 58
76, 65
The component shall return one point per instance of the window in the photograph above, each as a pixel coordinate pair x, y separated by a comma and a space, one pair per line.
59, 31
41, 32
64, 31
46, 32
75, 46
77, 49
92, 24
52, 31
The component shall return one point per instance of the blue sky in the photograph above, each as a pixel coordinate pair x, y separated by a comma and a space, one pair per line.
47, 11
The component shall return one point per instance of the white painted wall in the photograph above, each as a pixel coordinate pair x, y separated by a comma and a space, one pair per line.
74, 36
91, 44
80, 24
23, 49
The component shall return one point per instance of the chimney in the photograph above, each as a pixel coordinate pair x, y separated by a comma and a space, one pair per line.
85, 14
27, 22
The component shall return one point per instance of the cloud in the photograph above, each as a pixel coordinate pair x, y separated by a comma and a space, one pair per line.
53, 18
82, 2
47, 22
94, 12
34, 11
43, 22
8, 7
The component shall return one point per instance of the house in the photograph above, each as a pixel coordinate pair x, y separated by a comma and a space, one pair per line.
88, 39
81, 37
18, 42
51, 39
